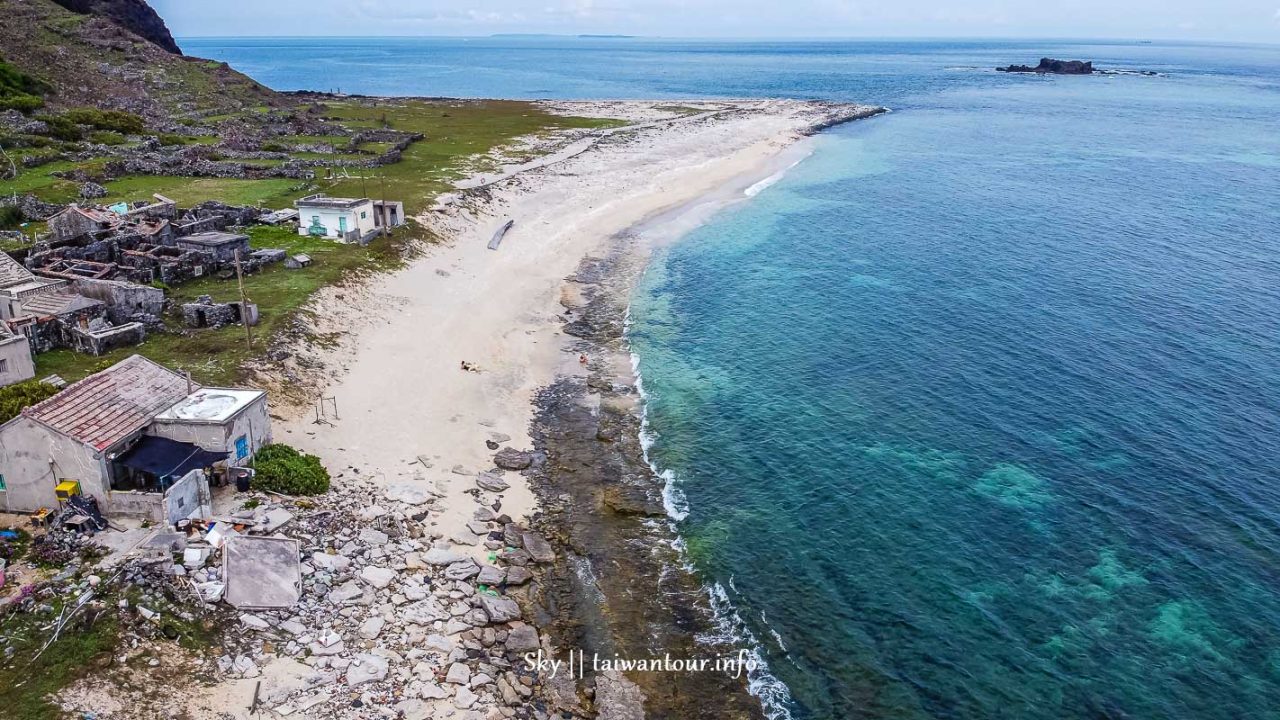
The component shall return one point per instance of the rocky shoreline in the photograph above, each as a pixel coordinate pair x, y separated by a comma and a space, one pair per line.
618, 586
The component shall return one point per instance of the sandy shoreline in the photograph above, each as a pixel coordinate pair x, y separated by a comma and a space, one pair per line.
397, 379
407, 412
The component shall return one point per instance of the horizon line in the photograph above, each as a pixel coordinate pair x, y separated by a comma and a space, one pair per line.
747, 38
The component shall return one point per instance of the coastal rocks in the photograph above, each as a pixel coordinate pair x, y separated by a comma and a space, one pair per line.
628, 500
442, 556
492, 483
499, 609
345, 593
522, 639
464, 570
617, 698
366, 668
371, 628
378, 577
492, 576
400, 617
1050, 66
458, 674
538, 547
511, 459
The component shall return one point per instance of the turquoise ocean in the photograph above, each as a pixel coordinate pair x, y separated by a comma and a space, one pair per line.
974, 413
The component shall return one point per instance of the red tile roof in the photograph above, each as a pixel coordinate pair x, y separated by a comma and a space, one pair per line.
108, 407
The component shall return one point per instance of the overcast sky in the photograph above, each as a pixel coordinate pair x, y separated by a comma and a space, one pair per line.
1244, 20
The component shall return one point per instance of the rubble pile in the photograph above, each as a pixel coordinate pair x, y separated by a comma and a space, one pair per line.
149, 599
392, 615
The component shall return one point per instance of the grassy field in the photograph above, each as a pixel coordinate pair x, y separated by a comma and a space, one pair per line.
215, 356
458, 134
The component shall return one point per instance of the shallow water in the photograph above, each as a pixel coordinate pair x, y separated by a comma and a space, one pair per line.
974, 412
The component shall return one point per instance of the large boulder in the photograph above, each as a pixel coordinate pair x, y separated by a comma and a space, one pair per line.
509, 458
499, 609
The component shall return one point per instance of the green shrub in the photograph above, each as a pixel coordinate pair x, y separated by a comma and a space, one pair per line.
172, 139
114, 120
21, 103
283, 469
275, 147
19, 91
62, 128
10, 217
16, 397
105, 137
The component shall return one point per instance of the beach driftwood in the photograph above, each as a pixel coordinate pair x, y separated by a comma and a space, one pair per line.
502, 232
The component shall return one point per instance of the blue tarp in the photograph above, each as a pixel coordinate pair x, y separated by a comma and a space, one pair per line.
167, 458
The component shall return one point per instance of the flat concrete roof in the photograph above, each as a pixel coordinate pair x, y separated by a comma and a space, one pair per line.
212, 238
331, 202
210, 405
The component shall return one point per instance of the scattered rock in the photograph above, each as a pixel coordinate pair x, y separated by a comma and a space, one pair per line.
511, 459
378, 577
499, 608
366, 668
492, 483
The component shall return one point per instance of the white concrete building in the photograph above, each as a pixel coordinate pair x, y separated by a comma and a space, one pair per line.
138, 437
16, 363
343, 219
219, 419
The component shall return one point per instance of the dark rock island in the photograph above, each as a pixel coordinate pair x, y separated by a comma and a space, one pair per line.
1053, 67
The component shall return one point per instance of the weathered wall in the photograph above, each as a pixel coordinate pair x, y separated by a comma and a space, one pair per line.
330, 219
17, 365
253, 424
123, 299
101, 342
144, 506
184, 499
33, 459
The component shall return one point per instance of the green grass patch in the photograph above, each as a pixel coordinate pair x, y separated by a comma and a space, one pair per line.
188, 191
25, 686
457, 132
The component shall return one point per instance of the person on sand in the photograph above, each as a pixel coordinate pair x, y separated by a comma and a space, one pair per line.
582, 359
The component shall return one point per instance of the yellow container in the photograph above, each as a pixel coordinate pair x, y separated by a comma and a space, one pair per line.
67, 488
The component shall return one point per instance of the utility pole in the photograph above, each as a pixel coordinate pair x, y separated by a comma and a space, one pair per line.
244, 305
386, 226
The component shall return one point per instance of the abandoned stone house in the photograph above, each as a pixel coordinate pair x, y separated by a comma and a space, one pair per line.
149, 219
17, 284
51, 315
76, 222
204, 312
223, 247
139, 438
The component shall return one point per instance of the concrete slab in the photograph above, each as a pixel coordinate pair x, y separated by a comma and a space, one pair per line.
261, 572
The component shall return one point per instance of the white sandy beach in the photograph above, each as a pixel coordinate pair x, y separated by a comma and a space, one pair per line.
397, 379
407, 413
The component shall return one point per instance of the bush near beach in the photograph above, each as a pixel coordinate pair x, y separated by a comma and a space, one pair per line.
283, 469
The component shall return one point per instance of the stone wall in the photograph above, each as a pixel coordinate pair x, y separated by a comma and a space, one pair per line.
103, 340
125, 300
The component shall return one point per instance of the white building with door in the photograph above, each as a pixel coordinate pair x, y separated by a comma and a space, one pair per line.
220, 419
343, 219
